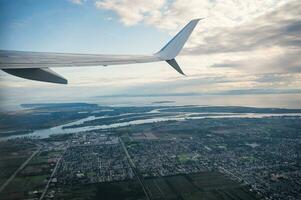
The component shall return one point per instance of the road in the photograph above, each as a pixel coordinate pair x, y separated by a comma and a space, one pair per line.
230, 173
52, 174
19, 169
137, 174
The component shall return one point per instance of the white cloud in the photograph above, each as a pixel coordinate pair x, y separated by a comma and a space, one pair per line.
240, 45
78, 2
169, 15
108, 18
132, 12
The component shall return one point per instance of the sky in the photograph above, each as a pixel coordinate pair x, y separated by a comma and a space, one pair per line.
247, 47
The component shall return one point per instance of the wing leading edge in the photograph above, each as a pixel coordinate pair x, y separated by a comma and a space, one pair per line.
35, 65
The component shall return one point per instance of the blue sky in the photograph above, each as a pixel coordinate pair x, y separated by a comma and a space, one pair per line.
62, 26
249, 47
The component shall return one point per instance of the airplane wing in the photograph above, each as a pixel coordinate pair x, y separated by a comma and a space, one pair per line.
35, 65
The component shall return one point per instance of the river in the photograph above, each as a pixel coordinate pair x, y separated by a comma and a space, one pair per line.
45, 133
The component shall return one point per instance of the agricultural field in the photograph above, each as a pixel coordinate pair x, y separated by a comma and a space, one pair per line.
12, 155
205, 185
32, 179
130, 190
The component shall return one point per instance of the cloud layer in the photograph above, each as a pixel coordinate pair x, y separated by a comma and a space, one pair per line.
241, 47
249, 45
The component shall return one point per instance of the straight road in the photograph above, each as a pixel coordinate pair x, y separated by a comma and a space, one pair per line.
19, 169
137, 174
52, 174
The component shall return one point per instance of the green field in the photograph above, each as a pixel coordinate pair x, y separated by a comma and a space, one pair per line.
31, 179
129, 190
183, 158
20, 187
12, 155
206, 185
200, 186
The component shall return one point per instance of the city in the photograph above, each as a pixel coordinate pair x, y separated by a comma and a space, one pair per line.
228, 158
150, 100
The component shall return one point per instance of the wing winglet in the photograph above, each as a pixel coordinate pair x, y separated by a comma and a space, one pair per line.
175, 45
175, 65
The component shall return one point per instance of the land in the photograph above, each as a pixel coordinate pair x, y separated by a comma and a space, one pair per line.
40, 116
162, 102
47, 115
189, 158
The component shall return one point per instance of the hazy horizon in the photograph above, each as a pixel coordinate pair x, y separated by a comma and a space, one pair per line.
290, 101
240, 48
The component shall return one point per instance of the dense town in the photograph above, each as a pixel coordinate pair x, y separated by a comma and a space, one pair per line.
256, 158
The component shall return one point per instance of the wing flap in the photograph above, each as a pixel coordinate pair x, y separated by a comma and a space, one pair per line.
38, 74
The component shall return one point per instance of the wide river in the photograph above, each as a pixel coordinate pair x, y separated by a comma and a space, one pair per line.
44, 133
